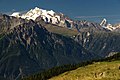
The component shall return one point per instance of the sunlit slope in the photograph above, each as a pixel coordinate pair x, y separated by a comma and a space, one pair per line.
96, 71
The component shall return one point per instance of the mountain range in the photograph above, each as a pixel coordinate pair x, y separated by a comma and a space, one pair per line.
49, 16
39, 39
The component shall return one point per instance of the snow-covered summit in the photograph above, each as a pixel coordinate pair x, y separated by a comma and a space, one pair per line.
103, 22
47, 15
109, 26
16, 14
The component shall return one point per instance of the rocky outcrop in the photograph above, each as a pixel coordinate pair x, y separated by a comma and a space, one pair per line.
7, 22
102, 43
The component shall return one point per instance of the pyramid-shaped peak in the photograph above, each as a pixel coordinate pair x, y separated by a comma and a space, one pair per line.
103, 22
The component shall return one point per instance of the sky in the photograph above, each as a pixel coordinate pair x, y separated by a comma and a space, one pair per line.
92, 10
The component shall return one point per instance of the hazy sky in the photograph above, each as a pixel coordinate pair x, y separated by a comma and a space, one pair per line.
93, 10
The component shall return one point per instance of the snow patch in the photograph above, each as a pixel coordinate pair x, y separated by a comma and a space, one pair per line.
107, 25
16, 14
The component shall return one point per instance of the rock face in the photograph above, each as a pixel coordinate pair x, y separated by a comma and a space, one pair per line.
27, 48
7, 22
84, 26
101, 43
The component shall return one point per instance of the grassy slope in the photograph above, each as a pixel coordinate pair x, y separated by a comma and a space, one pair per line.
61, 30
96, 71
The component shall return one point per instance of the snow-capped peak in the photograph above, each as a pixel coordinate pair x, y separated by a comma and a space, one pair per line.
105, 25
108, 26
47, 15
16, 14
103, 22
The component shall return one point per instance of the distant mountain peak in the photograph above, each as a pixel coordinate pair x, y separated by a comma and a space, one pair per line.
47, 15
107, 25
16, 14
103, 22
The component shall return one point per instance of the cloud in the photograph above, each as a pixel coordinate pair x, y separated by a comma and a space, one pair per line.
87, 16
108, 16
9, 13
